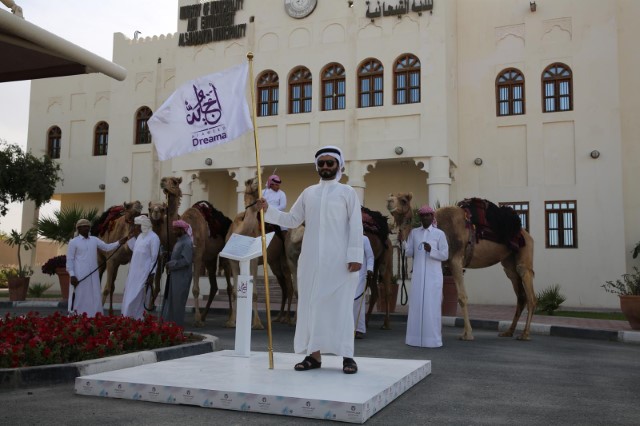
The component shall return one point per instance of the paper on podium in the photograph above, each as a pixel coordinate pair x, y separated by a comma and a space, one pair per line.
241, 247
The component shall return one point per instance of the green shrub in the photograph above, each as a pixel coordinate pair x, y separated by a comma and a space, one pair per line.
37, 289
549, 299
628, 286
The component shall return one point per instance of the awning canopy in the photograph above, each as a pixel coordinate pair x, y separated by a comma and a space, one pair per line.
28, 52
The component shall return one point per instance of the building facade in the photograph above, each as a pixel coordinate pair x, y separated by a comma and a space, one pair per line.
529, 104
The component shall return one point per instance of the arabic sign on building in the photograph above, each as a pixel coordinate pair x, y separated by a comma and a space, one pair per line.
402, 8
212, 21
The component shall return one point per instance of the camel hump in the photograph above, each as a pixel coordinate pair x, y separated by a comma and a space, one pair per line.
217, 222
106, 220
499, 224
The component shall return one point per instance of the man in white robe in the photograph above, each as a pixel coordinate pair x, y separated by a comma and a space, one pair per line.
273, 194
359, 305
429, 248
145, 247
82, 264
330, 259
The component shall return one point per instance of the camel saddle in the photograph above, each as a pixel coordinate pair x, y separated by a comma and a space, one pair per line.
107, 220
374, 222
217, 222
489, 222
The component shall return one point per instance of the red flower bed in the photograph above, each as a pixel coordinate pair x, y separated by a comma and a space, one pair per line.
56, 339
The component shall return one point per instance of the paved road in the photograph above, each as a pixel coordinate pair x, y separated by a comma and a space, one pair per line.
492, 380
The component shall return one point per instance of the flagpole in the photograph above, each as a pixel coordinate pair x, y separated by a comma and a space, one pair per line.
262, 232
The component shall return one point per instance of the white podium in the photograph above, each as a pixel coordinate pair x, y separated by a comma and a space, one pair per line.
243, 248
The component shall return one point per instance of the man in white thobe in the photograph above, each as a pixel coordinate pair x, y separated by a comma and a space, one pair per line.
429, 248
82, 264
330, 259
359, 306
145, 247
273, 194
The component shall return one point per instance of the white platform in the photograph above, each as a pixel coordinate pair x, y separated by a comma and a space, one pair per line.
222, 380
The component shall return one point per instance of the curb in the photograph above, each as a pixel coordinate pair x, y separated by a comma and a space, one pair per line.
13, 378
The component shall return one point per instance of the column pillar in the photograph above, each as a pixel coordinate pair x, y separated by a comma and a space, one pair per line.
439, 181
357, 170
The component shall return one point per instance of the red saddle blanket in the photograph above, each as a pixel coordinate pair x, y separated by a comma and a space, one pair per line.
107, 220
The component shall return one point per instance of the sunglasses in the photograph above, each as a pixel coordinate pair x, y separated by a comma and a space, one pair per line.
329, 163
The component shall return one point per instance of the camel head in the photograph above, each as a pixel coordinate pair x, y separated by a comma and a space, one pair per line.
171, 186
132, 210
399, 203
250, 191
157, 211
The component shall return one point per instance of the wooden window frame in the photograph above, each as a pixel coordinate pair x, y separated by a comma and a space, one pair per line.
406, 66
268, 90
143, 135
333, 87
371, 70
556, 76
507, 83
522, 210
561, 208
300, 78
54, 142
101, 139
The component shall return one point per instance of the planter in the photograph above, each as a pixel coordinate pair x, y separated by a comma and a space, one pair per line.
382, 298
64, 279
449, 297
630, 307
18, 287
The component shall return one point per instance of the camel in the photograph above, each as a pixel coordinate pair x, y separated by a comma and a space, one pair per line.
208, 238
376, 229
467, 252
116, 222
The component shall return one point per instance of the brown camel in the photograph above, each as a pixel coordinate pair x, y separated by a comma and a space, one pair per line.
116, 222
467, 252
376, 229
208, 242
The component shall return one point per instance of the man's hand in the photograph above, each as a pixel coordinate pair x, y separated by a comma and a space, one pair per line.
354, 266
74, 281
261, 204
427, 247
369, 275
123, 240
150, 279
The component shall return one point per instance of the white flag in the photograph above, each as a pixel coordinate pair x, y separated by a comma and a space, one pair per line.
202, 113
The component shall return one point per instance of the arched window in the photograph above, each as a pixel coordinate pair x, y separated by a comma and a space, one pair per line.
54, 135
333, 87
300, 91
406, 73
268, 94
510, 92
370, 85
142, 130
101, 138
557, 91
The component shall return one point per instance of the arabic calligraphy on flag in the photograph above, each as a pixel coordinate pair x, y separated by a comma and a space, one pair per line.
202, 113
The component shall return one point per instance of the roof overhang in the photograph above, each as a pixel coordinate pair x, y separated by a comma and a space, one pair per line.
28, 52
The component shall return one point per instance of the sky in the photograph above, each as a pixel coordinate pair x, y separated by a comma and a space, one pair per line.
89, 24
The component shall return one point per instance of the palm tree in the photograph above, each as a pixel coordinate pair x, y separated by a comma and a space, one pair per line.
61, 227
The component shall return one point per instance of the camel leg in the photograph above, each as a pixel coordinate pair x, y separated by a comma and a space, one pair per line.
213, 290
110, 285
509, 266
387, 275
231, 321
197, 267
526, 276
373, 287
456, 270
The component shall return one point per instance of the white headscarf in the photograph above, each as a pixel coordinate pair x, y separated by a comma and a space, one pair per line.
334, 152
144, 222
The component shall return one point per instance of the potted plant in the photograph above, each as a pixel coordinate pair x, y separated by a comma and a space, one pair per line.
18, 279
628, 290
58, 265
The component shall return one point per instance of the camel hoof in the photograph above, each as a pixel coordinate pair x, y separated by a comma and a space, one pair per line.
524, 338
257, 327
467, 337
507, 333
198, 324
385, 327
230, 324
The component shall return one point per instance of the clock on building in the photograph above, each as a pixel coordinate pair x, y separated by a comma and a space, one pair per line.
299, 8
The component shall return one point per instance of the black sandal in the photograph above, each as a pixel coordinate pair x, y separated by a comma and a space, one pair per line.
309, 363
349, 366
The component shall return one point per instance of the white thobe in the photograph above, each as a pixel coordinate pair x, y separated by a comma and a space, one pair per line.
82, 259
277, 199
143, 263
359, 305
332, 239
424, 322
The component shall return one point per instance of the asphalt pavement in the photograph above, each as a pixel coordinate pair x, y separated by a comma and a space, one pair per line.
491, 380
